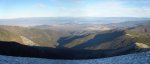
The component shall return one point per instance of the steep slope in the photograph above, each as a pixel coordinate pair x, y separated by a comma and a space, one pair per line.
16, 49
42, 37
6, 35
103, 40
141, 34
111, 39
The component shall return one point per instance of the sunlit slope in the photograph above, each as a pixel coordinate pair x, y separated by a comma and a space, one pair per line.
43, 37
6, 35
111, 39
141, 34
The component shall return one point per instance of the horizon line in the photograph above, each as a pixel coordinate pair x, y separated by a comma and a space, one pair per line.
71, 17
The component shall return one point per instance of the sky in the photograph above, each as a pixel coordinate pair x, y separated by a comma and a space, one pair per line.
74, 8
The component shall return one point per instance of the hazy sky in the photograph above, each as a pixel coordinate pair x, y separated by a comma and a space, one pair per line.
74, 8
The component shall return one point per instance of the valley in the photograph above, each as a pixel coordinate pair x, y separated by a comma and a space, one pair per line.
74, 31
79, 36
94, 40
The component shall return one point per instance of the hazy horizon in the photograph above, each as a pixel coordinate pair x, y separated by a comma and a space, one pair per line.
10, 9
33, 21
41, 12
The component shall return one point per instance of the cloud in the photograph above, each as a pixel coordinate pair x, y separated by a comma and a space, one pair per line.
115, 9
104, 9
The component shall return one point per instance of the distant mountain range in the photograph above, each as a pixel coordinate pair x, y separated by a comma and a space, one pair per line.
78, 36
75, 40
67, 20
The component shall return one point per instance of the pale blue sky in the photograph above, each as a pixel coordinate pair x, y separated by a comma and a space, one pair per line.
74, 8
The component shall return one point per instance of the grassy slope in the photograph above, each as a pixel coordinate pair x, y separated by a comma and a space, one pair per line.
141, 34
42, 37
95, 41
5, 35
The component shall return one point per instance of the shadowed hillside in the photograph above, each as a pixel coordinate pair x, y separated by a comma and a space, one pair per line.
102, 40
16, 49
51, 38
53, 44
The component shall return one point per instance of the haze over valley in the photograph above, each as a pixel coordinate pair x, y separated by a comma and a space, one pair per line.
74, 32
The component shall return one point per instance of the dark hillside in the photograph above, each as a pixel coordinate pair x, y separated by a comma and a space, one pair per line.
16, 49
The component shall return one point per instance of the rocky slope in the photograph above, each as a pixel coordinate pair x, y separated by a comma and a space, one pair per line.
139, 58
